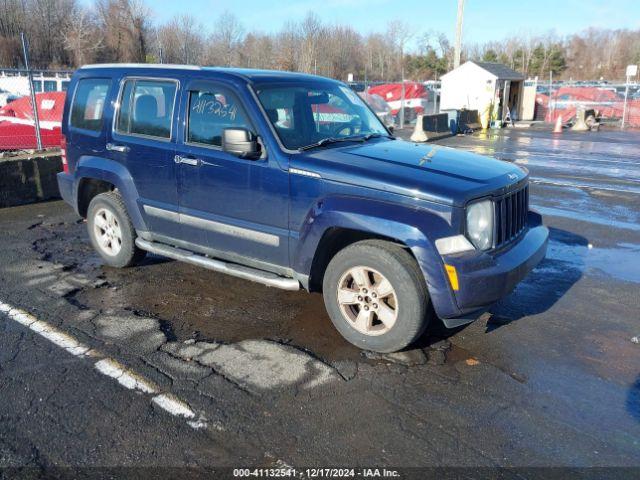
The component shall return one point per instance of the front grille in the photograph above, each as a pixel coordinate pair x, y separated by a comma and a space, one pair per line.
511, 216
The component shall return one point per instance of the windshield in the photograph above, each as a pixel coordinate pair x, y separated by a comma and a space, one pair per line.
304, 115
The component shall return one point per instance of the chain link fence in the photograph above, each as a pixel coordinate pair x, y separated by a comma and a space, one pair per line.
608, 102
399, 103
19, 129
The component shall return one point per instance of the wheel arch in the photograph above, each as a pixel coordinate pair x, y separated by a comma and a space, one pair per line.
95, 175
332, 241
88, 188
339, 221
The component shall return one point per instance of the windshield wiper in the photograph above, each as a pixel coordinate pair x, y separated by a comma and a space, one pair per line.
354, 138
378, 135
369, 136
329, 140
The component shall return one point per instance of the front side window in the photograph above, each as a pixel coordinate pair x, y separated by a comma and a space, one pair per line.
88, 103
210, 112
304, 114
146, 108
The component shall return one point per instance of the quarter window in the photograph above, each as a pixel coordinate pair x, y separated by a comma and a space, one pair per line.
146, 108
210, 112
88, 103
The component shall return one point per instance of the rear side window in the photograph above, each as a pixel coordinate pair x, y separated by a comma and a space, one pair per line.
210, 112
146, 108
88, 103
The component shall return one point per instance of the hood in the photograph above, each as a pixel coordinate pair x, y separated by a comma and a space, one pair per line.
431, 172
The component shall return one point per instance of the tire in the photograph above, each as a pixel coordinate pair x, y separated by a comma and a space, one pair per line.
405, 312
111, 232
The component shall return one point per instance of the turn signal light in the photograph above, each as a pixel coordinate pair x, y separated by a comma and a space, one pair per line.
453, 276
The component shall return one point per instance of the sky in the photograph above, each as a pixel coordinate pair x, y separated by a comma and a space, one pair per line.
484, 20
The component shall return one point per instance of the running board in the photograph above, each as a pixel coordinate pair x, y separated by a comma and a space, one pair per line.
240, 271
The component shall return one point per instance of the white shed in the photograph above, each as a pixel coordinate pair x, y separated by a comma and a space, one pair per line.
481, 85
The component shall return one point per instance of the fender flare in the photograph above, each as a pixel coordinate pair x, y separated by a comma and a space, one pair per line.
98, 168
410, 226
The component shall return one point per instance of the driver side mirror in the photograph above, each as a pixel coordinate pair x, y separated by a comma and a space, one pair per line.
241, 143
391, 128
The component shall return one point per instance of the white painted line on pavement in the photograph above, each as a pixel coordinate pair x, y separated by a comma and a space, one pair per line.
105, 365
173, 405
178, 408
124, 376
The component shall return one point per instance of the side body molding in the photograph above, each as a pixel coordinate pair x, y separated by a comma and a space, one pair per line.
412, 227
115, 173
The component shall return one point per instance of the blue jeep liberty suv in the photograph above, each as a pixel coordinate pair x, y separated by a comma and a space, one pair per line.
292, 181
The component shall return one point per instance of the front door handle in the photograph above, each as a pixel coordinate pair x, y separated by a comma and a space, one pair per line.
196, 162
117, 148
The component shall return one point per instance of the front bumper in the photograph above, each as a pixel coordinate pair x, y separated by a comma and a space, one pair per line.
485, 278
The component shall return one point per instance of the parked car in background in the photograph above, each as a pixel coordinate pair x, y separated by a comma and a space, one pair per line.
416, 98
6, 97
291, 180
380, 107
17, 123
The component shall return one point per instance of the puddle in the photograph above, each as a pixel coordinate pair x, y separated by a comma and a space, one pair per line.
621, 262
589, 217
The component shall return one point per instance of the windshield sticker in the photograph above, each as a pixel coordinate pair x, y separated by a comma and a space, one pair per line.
330, 117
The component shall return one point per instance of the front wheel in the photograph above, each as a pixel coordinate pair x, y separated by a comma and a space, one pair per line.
376, 296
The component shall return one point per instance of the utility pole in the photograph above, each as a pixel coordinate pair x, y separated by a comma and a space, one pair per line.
402, 91
34, 105
632, 71
458, 46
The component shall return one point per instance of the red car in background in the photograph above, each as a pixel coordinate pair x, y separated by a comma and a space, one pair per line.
564, 102
416, 98
17, 123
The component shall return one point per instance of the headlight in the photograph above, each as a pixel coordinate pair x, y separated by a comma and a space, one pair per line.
480, 224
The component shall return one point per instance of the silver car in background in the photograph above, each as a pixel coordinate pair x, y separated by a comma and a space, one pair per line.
380, 107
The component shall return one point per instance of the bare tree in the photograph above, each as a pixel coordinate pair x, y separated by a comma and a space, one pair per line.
258, 51
80, 37
180, 41
399, 33
12, 17
124, 25
225, 41
311, 31
344, 46
70, 33
287, 47
47, 21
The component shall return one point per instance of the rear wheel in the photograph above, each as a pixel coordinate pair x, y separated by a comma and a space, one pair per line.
376, 296
111, 231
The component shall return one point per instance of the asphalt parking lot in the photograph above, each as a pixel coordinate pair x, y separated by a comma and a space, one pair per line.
552, 378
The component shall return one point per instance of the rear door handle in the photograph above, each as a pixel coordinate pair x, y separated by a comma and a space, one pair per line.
196, 162
117, 148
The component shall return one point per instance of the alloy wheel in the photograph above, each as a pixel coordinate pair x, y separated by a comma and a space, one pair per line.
367, 300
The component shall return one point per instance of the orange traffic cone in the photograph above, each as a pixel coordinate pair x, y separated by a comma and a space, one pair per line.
558, 127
